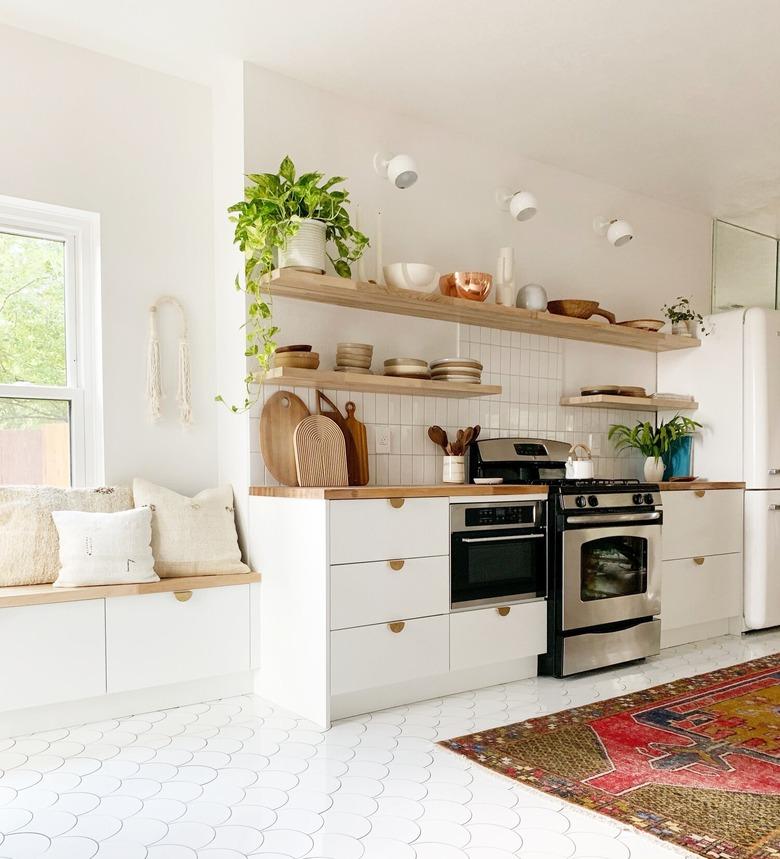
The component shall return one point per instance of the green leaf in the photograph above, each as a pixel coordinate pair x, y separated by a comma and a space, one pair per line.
287, 169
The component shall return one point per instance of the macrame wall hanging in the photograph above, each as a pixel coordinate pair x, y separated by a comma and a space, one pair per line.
154, 389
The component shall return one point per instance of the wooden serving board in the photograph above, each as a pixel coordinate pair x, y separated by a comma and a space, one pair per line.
358, 465
320, 453
335, 415
281, 415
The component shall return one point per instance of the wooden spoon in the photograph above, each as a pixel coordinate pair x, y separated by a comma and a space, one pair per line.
477, 429
438, 436
468, 435
457, 447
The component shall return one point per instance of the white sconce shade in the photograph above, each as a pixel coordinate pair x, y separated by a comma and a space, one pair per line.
617, 231
521, 205
398, 169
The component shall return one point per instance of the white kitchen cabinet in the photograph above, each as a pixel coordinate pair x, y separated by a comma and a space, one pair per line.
381, 591
384, 528
491, 635
702, 522
384, 654
51, 653
159, 639
700, 590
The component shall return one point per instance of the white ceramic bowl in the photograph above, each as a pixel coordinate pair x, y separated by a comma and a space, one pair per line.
411, 275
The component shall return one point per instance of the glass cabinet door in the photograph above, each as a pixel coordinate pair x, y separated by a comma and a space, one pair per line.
614, 566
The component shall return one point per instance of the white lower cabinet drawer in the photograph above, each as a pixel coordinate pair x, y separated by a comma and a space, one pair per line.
371, 656
699, 590
702, 522
492, 635
52, 653
157, 639
363, 594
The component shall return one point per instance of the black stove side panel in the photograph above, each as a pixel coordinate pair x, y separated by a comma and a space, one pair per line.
551, 663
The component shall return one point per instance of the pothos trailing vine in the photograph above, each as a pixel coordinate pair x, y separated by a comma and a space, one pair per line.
269, 215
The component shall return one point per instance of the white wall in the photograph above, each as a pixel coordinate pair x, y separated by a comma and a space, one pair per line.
449, 218
80, 129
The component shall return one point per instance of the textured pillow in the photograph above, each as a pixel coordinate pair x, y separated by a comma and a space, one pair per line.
104, 548
191, 536
29, 548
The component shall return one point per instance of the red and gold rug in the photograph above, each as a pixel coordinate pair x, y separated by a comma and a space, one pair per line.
695, 762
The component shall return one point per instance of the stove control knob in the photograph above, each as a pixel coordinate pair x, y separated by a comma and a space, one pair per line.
580, 501
593, 501
637, 499
648, 498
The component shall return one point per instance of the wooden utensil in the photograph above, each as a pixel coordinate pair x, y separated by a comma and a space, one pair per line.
297, 347
477, 430
335, 415
281, 415
320, 453
358, 468
438, 436
580, 309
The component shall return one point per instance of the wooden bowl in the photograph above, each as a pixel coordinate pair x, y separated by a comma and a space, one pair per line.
296, 348
644, 324
579, 309
299, 360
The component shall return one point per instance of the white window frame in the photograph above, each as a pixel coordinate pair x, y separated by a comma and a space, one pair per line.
80, 231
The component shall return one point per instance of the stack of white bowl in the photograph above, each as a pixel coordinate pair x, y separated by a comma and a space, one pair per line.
461, 370
354, 357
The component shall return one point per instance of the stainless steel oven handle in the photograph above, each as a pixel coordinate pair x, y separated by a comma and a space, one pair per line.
502, 539
609, 518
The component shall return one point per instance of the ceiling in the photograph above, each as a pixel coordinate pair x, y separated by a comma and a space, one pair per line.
677, 100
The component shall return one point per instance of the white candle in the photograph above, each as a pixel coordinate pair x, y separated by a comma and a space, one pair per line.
379, 274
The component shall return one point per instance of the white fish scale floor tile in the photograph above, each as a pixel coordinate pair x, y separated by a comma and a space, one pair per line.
237, 778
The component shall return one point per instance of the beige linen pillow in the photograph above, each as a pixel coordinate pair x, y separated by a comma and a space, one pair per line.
191, 536
29, 547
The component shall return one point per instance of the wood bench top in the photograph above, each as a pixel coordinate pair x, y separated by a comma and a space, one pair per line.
42, 594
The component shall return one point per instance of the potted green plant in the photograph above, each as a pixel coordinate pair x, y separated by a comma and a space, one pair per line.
684, 317
287, 221
652, 442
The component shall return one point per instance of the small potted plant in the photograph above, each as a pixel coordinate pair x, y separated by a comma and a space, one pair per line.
652, 442
683, 317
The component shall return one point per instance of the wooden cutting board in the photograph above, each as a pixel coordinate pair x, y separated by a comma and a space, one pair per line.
335, 415
358, 466
320, 453
281, 415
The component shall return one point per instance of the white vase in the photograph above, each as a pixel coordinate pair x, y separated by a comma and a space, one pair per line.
654, 470
682, 328
305, 250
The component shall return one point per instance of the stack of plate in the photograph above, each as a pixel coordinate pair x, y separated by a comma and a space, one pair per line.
408, 368
462, 370
354, 357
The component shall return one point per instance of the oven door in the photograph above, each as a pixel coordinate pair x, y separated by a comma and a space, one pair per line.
497, 566
610, 574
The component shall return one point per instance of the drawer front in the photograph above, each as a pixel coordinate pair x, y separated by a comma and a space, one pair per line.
379, 529
381, 591
371, 656
52, 653
492, 635
694, 592
698, 524
157, 639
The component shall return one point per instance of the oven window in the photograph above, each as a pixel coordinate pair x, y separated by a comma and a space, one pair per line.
613, 567
497, 566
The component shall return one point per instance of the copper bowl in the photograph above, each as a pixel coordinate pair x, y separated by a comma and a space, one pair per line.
473, 285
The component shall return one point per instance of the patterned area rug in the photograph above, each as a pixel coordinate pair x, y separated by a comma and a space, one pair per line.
695, 762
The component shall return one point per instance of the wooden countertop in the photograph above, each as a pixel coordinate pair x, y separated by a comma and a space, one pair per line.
681, 486
441, 490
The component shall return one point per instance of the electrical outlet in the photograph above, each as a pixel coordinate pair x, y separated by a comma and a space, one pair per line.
383, 439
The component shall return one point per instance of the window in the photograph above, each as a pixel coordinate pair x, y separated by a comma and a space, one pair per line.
50, 405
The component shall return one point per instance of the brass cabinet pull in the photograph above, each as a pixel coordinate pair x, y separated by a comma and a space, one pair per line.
699, 493
182, 596
698, 561
504, 610
396, 503
396, 564
396, 626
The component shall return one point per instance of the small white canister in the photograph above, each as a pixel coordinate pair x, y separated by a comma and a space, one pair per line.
453, 469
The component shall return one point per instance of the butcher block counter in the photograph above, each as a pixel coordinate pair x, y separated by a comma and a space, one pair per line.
698, 485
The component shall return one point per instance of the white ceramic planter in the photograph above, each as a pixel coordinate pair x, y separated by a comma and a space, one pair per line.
305, 250
453, 469
654, 470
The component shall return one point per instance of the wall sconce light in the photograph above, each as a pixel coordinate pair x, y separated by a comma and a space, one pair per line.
398, 169
521, 205
617, 231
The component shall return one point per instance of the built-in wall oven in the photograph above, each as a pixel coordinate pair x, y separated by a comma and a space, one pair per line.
498, 552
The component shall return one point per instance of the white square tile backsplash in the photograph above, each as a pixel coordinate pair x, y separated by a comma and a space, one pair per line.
529, 369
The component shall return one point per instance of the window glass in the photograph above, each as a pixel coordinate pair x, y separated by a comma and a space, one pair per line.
34, 442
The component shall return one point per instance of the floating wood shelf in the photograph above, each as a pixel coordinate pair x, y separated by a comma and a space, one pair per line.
634, 404
327, 289
291, 377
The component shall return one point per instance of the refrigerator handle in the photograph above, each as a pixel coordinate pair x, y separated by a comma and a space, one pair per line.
773, 471
774, 506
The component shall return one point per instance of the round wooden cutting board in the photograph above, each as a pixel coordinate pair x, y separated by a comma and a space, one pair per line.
281, 415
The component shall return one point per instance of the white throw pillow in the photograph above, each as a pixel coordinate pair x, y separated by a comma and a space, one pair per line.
104, 548
191, 536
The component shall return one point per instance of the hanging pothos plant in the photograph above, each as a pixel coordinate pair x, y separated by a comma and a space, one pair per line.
270, 214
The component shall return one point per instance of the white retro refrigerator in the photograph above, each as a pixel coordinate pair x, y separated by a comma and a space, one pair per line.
735, 376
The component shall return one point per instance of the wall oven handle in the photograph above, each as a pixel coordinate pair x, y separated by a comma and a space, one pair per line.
502, 539
609, 518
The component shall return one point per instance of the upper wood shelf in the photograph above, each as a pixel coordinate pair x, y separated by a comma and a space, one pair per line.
635, 404
327, 289
291, 377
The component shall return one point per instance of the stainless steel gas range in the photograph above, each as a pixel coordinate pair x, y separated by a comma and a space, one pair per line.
603, 556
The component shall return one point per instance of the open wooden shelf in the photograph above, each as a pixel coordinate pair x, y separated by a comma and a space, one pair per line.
327, 289
634, 404
291, 377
